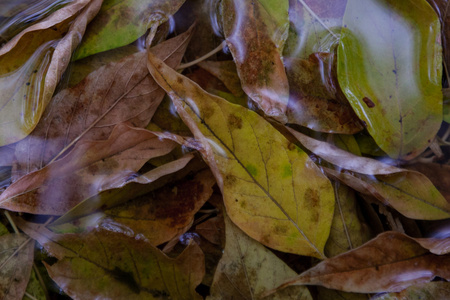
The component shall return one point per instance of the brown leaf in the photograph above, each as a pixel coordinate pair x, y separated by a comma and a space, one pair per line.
226, 72
212, 229
429, 290
389, 263
316, 100
255, 41
90, 167
161, 216
117, 92
15, 267
111, 265
34, 62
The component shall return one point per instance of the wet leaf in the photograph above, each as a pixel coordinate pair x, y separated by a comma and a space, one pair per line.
255, 33
429, 290
308, 34
389, 263
90, 167
112, 265
15, 268
316, 100
438, 174
409, 192
282, 200
227, 73
31, 65
115, 93
347, 230
161, 216
121, 22
382, 45
34, 288
134, 188
247, 270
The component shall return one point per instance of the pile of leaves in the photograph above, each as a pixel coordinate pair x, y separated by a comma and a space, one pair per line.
231, 149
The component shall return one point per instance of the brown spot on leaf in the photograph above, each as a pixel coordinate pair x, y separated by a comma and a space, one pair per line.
234, 122
368, 102
312, 201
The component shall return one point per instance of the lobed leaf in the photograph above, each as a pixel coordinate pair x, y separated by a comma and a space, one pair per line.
271, 189
382, 50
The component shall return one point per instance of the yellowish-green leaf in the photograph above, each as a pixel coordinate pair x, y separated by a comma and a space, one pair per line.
34, 288
390, 68
111, 265
255, 33
32, 63
247, 269
410, 193
16, 260
121, 22
271, 189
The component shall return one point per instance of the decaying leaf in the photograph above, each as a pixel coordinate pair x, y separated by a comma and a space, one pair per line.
255, 33
15, 267
90, 167
31, 65
315, 98
384, 47
247, 269
121, 22
389, 263
117, 92
409, 192
112, 265
271, 189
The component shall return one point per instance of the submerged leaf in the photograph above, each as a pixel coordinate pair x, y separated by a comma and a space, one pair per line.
118, 92
389, 263
316, 100
226, 72
90, 167
32, 63
247, 270
271, 189
389, 68
409, 192
429, 290
112, 265
15, 268
121, 22
255, 33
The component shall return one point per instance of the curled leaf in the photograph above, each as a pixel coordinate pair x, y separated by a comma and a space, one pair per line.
271, 189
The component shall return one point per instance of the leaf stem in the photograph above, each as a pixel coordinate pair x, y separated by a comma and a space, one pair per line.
200, 59
317, 18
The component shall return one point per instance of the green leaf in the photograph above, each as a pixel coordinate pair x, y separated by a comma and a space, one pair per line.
16, 261
34, 288
389, 68
255, 33
121, 22
271, 189
247, 270
32, 63
112, 265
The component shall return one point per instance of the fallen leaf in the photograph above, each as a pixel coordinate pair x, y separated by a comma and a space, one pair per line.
308, 33
121, 22
438, 174
255, 33
389, 263
32, 63
316, 100
409, 192
226, 72
92, 166
115, 93
347, 230
283, 200
161, 216
16, 260
112, 265
139, 186
247, 269
212, 229
402, 118
34, 288
429, 290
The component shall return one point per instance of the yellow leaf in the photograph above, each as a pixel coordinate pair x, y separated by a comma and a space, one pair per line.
271, 189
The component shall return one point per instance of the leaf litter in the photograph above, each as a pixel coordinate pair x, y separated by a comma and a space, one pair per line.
184, 165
